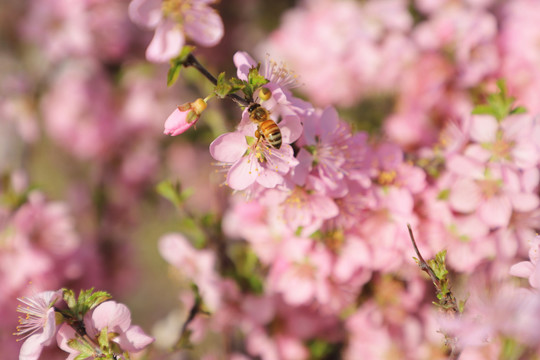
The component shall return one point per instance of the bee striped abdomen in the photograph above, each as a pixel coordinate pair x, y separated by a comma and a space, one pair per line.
271, 133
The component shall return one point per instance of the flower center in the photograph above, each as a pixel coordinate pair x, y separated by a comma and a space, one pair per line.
175, 9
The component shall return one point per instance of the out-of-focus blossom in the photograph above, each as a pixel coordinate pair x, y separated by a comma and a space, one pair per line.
352, 63
197, 265
530, 269
173, 20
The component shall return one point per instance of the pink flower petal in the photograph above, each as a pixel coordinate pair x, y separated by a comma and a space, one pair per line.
484, 128
229, 147
31, 348
291, 129
145, 12
522, 269
243, 173
269, 179
464, 196
243, 63
166, 43
203, 25
496, 211
524, 201
115, 316
134, 339
465, 166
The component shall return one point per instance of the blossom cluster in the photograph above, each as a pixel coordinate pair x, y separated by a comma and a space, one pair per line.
298, 246
326, 216
85, 327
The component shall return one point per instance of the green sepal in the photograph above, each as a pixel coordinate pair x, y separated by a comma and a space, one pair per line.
177, 63
69, 298
255, 81
103, 338
226, 87
85, 350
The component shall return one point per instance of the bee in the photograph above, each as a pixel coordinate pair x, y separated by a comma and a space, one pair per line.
266, 127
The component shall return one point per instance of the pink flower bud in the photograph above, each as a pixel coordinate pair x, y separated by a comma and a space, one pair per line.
184, 117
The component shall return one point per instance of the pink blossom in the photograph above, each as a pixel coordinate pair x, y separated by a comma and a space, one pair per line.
197, 265
172, 21
116, 318
184, 117
520, 58
305, 209
334, 153
38, 326
493, 191
470, 34
508, 142
301, 272
250, 161
352, 64
486, 315
530, 269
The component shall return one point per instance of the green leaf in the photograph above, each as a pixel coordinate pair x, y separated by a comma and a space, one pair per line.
171, 192
86, 351
484, 110
177, 63
69, 298
518, 110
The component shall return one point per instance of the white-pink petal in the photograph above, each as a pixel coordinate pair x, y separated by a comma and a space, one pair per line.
484, 128
243, 63
269, 179
145, 12
522, 269
291, 128
243, 173
167, 42
464, 196
115, 316
496, 211
204, 26
134, 339
229, 147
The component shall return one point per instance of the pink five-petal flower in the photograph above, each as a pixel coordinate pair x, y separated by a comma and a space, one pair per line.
116, 318
184, 117
250, 161
39, 324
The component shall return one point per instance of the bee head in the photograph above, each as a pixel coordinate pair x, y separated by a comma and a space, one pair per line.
253, 106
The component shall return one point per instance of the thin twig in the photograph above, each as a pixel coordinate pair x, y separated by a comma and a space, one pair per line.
447, 301
193, 62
